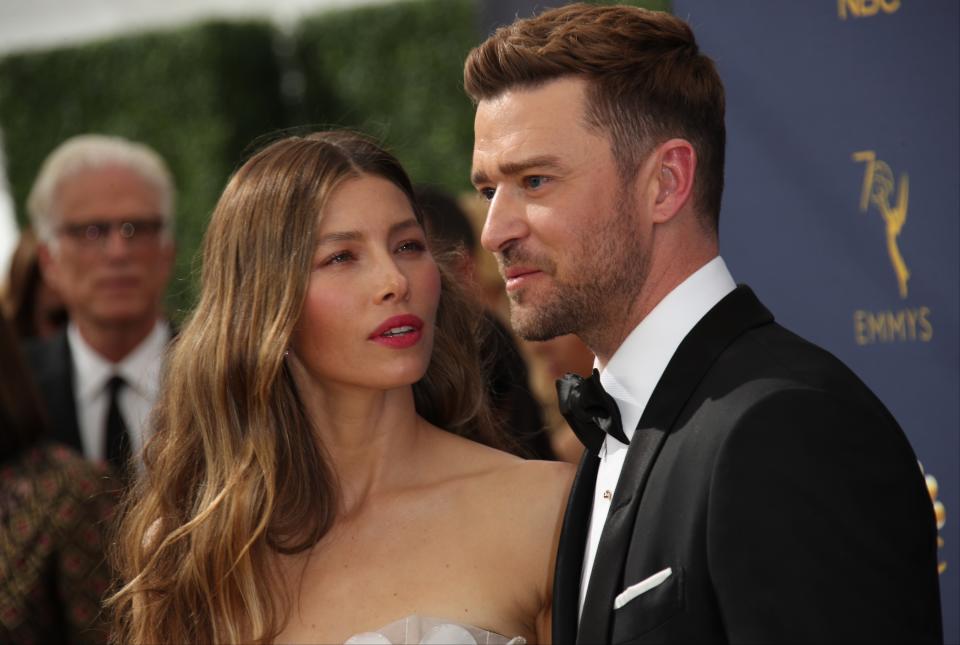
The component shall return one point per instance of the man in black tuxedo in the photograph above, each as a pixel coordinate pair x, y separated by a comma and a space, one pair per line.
739, 483
102, 209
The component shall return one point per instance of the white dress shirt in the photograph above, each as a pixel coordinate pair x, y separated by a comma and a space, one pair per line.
91, 372
634, 371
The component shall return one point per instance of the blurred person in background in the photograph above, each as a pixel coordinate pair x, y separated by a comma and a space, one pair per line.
552, 360
508, 382
55, 515
32, 305
311, 474
102, 209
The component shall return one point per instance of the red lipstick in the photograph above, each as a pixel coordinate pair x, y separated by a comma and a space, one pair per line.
398, 332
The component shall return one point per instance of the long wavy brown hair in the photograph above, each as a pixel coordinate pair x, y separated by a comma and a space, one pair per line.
235, 473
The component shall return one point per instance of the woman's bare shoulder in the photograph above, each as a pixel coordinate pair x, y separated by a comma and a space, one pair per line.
455, 445
533, 477
540, 478
537, 489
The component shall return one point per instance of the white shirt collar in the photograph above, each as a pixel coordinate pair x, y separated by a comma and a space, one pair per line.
140, 368
634, 370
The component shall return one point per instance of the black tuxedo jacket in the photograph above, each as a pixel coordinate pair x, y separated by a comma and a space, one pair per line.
778, 490
52, 366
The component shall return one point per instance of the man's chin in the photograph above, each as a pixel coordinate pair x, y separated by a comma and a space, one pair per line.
530, 323
123, 316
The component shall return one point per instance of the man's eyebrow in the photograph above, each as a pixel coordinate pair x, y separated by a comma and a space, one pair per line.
353, 236
516, 167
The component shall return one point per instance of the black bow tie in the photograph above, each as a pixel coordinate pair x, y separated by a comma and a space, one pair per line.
590, 411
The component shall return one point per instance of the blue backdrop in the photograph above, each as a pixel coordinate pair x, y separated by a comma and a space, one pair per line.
842, 201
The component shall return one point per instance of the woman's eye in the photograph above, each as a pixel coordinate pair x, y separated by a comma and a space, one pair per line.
339, 258
411, 246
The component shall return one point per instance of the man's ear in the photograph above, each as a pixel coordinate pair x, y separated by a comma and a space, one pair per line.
675, 164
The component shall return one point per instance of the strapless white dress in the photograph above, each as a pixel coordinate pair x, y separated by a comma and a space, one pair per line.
422, 630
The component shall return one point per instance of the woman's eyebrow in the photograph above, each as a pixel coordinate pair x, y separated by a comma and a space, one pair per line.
340, 236
404, 225
353, 236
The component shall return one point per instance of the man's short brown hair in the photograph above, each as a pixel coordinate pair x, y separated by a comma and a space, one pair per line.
648, 81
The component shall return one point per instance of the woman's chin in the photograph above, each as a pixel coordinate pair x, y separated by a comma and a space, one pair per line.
395, 377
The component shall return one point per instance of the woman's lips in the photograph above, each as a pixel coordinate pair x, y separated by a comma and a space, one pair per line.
398, 332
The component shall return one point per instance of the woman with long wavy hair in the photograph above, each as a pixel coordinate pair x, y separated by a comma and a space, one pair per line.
312, 476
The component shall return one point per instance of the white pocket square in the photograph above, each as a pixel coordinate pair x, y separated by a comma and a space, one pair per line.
641, 587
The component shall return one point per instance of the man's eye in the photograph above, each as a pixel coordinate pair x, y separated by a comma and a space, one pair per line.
535, 181
488, 193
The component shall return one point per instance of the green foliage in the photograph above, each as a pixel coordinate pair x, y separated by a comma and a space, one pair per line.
197, 95
396, 71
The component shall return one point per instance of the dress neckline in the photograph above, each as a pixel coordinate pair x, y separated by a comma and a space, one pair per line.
427, 630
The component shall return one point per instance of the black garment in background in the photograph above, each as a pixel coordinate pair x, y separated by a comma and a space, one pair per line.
508, 384
51, 362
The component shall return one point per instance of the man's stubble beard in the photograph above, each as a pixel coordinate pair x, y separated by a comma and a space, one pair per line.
609, 274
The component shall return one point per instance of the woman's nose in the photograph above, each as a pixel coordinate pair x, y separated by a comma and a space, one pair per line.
394, 284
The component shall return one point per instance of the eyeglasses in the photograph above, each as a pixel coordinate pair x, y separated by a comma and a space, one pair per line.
134, 231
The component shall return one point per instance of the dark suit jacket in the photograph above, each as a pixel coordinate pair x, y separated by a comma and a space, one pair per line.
52, 366
51, 362
781, 493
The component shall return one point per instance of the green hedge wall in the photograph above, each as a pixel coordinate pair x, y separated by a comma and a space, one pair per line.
396, 72
202, 94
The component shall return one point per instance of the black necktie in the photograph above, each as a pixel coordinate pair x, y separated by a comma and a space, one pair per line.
117, 442
590, 411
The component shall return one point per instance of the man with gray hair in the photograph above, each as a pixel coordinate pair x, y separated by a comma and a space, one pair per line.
102, 208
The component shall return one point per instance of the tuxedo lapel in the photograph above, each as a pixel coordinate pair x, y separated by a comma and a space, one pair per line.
573, 539
614, 544
736, 313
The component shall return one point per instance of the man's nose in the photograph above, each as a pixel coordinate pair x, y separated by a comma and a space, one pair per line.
505, 223
115, 242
